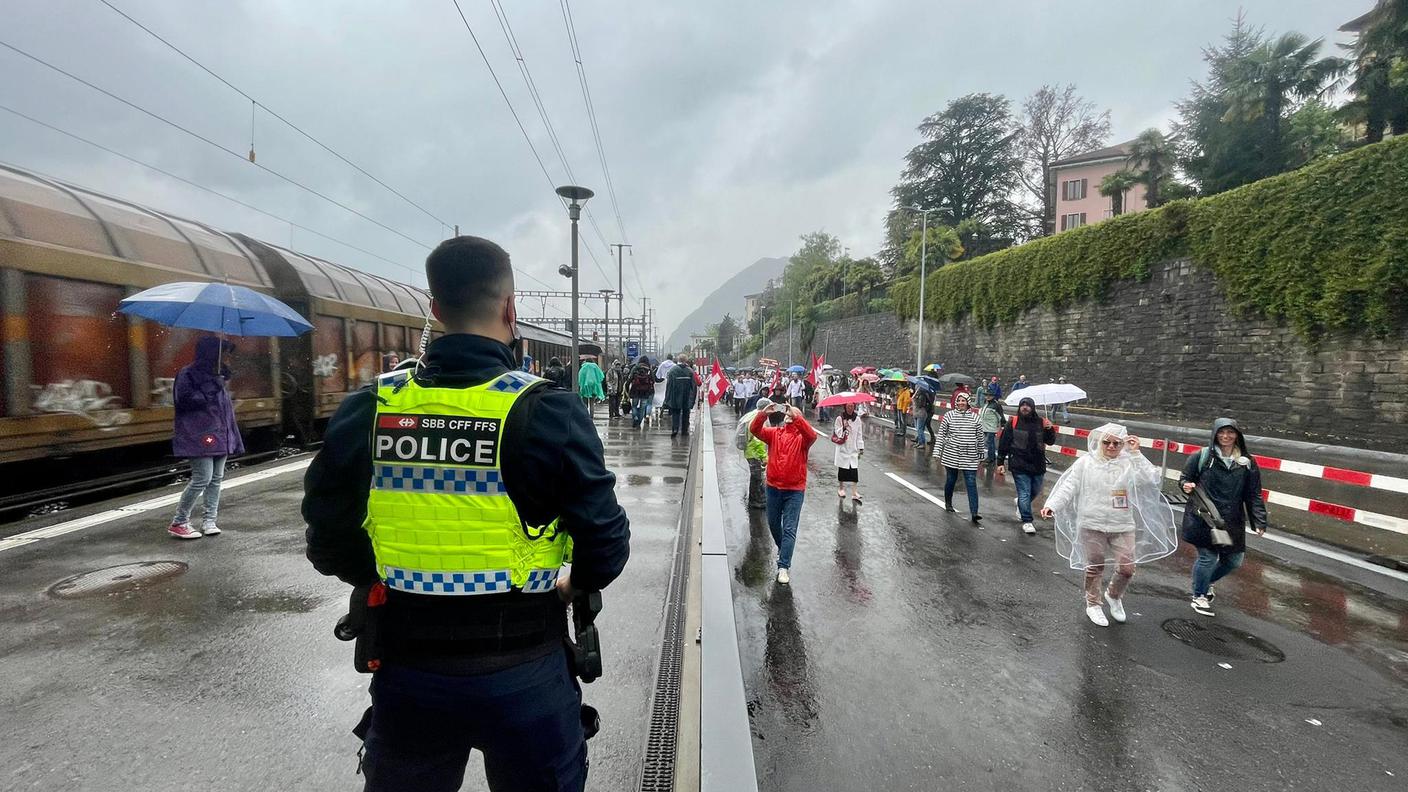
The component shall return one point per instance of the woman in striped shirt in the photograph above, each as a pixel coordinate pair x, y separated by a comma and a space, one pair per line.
960, 448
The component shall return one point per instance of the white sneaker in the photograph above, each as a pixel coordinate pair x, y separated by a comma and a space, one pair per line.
1097, 615
1116, 607
1028, 528
783, 577
210, 529
1201, 605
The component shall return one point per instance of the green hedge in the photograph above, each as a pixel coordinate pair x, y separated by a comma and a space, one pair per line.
1324, 248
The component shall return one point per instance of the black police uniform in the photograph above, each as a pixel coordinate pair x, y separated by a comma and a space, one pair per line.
487, 672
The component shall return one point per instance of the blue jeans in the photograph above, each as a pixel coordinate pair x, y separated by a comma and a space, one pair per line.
1212, 566
638, 410
784, 512
206, 475
920, 420
526, 720
970, 483
1028, 487
992, 445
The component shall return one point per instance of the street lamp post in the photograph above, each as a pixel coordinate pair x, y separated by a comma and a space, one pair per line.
923, 262
790, 306
578, 196
606, 345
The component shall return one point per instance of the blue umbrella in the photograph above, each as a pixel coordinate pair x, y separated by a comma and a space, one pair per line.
927, 383
797, 369
217, 308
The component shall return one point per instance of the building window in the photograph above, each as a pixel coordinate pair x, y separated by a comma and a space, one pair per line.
1074, 189
1074, 220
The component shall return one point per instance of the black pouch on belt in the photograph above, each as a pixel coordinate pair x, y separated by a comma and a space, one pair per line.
363, 625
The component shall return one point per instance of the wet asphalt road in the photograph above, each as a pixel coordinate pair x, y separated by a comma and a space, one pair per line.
916, 651
228, 676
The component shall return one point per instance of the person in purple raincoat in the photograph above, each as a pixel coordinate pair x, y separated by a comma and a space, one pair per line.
205, 434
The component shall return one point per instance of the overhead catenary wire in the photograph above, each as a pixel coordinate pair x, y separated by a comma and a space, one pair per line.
208, 141
518, 120
596, 133
212, 191
255, 103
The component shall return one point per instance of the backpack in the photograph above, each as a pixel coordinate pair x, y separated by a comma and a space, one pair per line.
641, 382
922, 400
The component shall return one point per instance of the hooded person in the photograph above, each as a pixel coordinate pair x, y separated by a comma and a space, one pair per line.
1106, 505
1230, 478
205, 433
589, 380
756, 452
1022, 448
959, 448
557, 374
681, 391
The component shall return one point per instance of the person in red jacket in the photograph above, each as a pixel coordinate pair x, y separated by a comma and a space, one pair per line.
789, 438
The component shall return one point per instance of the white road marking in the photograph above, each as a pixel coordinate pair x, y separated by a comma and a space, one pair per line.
921, 493
70, 526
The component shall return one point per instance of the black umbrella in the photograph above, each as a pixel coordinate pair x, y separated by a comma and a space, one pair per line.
950, 380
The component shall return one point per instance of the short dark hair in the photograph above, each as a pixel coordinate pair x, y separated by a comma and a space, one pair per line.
468, 276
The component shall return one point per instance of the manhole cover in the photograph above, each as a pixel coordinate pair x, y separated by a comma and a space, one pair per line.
116, 578
1223, 641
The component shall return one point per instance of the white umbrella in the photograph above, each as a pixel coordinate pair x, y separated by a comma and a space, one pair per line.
1049, 393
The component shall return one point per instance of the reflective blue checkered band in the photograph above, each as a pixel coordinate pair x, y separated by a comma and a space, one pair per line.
454, 583
448, 480
540, 581
513, 381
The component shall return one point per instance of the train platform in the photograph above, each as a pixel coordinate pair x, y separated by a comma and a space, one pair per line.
219, 670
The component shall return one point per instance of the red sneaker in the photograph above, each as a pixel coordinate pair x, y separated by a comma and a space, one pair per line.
183, 531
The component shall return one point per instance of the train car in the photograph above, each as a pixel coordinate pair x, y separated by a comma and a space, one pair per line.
80, 379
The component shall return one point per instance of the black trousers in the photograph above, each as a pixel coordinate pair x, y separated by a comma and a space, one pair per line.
679, 421
526, 720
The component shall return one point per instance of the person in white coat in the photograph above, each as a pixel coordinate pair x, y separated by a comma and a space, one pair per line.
1106, 505
848, 436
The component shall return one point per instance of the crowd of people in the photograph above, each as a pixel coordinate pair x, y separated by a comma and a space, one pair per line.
1108, 507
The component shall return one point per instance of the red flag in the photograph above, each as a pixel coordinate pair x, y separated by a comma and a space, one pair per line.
776, 381
815, 374
718, 384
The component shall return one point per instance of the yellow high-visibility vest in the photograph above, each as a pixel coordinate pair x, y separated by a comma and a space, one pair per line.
438, 513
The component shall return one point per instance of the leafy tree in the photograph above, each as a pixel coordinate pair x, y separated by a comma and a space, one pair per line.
1239, 125
1151, 156
725, 333
967, 167
1380, 68
944, 246
1056, 123
1115, 185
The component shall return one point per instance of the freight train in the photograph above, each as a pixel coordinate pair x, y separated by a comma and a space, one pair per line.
83, 383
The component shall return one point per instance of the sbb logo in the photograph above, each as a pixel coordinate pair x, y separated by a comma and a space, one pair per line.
407, 422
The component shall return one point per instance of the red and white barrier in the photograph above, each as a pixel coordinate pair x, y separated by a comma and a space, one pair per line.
1387, 522
1326, 472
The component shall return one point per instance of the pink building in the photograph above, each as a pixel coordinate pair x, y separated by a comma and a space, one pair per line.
1077, 184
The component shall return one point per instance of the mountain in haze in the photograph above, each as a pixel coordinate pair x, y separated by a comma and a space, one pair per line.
728, 298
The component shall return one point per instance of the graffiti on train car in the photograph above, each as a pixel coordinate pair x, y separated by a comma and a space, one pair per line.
325, 365
87, 398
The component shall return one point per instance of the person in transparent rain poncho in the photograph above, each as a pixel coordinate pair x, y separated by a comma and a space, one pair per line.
1107, 505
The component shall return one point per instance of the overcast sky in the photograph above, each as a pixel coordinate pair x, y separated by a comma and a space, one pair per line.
730, 128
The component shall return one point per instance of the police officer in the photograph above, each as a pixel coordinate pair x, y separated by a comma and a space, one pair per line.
464, 484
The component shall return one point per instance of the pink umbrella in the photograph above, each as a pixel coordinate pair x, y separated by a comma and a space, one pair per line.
846, 397
857, 371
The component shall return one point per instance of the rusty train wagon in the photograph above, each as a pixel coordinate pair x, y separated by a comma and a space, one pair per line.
79, 379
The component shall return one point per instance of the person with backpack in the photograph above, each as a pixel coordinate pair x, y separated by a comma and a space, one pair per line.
923, 404
756, 452
991, 420
1225, 476
1022, 447
641, 388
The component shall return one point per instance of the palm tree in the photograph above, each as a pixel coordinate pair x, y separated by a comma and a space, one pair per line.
1115, 185
1380, 85
1151, 156
1274, 76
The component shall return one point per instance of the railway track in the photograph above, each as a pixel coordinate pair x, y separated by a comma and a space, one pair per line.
51, 499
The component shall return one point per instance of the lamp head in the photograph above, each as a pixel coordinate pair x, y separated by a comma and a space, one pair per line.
566, 271
574, 193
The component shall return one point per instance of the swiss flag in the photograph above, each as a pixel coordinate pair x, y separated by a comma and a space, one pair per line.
815, 374
718, 384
